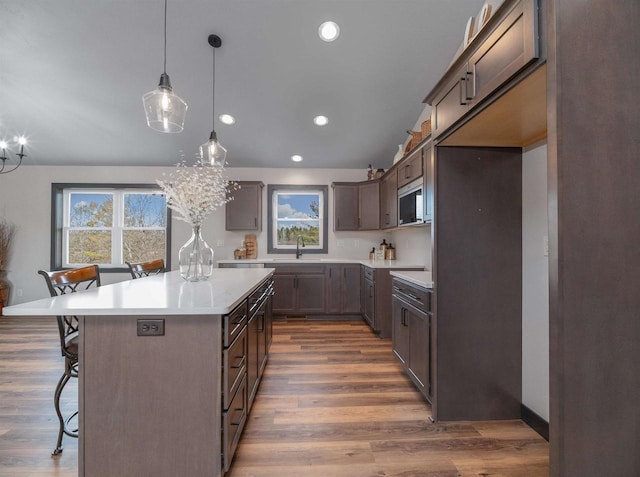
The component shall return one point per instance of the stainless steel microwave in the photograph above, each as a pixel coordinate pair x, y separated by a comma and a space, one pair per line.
411, 204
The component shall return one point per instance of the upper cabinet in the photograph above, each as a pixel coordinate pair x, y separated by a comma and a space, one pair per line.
410, 168
244, 212
389, 200
356, 205
503, 48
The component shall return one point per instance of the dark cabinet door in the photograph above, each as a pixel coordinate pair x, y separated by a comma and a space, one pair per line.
512, 46
261, 341
252, 358
369, 206
334, 288
427, 191
410, 169
389, 200
369, 303
400, 331
284, 298
268, 322
310, 293
345, 207
419, 349
244, 212
350, 289
451, 103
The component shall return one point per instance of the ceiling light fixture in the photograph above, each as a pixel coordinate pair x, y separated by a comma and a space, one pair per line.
321, 120
212, 152
296, 158
21, 141
227, 119
329, 31
165, 110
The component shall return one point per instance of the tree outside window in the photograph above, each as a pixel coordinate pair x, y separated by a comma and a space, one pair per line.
297, 211
108, 225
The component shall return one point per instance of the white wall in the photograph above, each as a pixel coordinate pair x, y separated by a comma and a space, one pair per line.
25, 200
535, 283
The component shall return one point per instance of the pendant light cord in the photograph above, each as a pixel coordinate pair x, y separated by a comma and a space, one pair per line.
164, 69
213, 93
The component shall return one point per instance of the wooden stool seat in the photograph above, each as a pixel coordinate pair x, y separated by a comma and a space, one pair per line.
144, 269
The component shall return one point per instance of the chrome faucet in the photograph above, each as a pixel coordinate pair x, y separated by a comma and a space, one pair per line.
298, 251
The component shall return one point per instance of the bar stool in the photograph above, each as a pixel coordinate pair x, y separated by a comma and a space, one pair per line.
144, 269
61, 283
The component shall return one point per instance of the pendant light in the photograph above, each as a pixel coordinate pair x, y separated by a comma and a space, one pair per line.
164, 109
212, 152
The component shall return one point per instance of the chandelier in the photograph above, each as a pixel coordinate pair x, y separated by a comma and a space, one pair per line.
21, 141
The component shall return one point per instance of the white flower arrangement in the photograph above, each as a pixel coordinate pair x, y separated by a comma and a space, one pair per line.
194, 192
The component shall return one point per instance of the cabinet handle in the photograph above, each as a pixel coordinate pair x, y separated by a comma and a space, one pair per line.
473, 82
462, 101
241, 363
403, 317
237, 423
407, 171
387, 218
370, 292
255, 221
414, 297
466, 86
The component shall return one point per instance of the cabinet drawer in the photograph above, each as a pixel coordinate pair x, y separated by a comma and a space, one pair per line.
416, 296
410, 169
233, 324
295, 269
233, 422
368, 273
234, 366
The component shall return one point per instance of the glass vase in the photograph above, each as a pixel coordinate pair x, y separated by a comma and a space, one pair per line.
196, 258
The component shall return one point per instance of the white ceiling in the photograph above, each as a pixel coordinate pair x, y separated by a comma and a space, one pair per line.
72, 74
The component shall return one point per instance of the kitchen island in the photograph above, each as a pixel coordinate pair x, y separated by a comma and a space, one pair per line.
154, 405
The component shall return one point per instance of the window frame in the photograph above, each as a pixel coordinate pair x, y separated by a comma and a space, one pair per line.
59, 200
273, 189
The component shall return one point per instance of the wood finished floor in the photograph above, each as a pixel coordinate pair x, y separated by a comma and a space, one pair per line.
333, 402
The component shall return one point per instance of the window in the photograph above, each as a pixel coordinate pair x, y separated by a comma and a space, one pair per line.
108, 225
297, 211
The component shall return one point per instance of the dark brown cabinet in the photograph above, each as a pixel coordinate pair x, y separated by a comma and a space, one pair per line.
389, 200
510, 47
369, 205
427, 191
412, 337
493, 58
451, 102
345, 207
245, 349
356, 205
244, 212
299, 289
343, 289
410, 168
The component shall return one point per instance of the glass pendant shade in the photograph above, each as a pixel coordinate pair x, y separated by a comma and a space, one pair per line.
165, 110
212, 152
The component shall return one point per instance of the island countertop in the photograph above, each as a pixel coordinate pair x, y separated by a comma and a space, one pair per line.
163, 294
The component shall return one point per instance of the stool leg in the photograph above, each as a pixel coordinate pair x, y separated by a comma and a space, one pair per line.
56, 401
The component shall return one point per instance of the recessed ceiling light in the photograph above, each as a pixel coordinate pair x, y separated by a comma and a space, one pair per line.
296, 158
321, 120
227, 119
329, 31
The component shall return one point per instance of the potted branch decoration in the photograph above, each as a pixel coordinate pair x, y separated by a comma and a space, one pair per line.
7, 234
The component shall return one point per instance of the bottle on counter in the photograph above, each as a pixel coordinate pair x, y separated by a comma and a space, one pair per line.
372, 254
390, 253
383, 247
370, 173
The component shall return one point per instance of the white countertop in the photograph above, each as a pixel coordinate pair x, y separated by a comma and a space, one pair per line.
163, 294
311, 261
422, 279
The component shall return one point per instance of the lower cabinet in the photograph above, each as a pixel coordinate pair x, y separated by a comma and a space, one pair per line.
343, 289
412, 333
299, 289
246, 338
